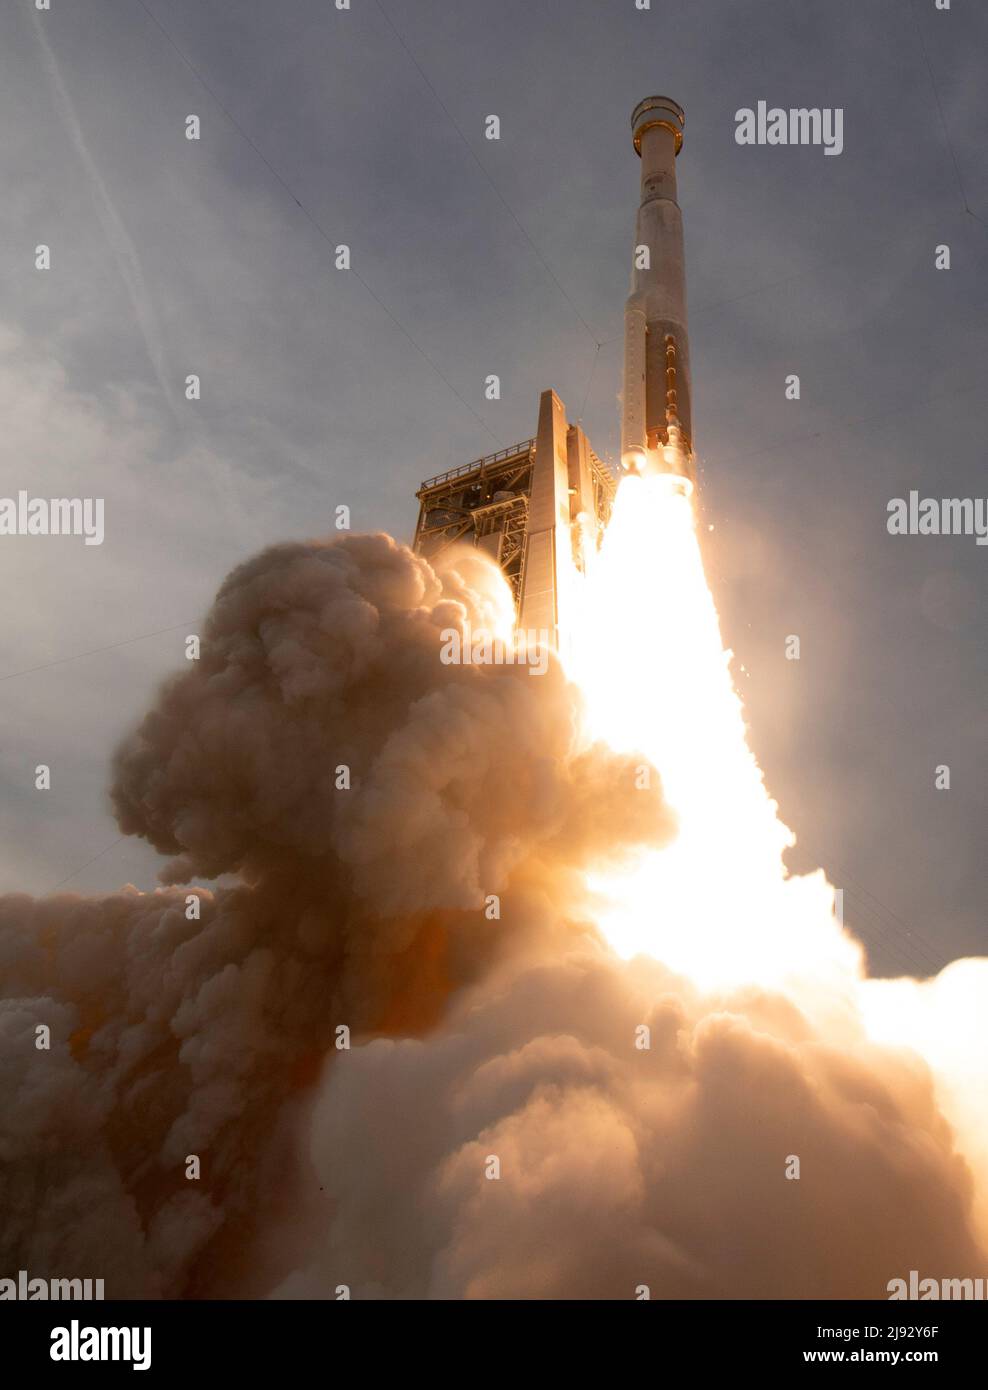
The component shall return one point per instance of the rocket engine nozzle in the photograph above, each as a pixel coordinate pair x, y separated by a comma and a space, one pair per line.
662, 463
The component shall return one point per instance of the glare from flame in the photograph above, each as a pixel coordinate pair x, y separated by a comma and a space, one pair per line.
717, 904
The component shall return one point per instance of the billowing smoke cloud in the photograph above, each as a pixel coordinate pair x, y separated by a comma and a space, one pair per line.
621, 1165
520, 1113
370, 800
319, 658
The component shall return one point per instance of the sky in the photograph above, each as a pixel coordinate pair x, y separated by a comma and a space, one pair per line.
322, 387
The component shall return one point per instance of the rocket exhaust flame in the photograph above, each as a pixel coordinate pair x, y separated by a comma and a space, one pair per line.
717, 904
650, 661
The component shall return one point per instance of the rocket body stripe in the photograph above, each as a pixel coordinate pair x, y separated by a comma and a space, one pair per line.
633, 430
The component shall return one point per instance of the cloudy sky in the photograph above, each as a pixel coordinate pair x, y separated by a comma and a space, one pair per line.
322, 387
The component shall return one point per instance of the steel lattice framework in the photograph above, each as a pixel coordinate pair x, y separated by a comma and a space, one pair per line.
481, 502
529, 507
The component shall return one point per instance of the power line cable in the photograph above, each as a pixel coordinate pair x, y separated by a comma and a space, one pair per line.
586, 394
314, 223
866, 918
895, 411
916, 946
76, 872
943, 119
821, 263
480, 165
94, 651
915, 939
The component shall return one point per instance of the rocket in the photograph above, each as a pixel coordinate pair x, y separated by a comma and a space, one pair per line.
656, 414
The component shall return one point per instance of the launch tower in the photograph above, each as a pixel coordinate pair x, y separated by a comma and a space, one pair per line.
535, 508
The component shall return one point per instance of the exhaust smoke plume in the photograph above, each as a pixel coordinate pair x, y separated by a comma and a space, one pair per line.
641, 1114
173, 1035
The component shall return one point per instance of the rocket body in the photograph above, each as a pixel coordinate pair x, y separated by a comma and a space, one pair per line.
657, 416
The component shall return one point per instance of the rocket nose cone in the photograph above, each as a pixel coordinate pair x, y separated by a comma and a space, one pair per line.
661, 111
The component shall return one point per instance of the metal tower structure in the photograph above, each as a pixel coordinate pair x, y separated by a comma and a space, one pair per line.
534, 508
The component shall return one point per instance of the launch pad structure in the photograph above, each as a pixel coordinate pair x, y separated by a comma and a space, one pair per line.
530, 507
540, 508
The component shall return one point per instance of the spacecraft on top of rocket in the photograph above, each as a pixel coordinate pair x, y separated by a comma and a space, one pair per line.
656, 414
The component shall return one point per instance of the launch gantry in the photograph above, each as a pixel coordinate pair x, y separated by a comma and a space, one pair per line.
534, 508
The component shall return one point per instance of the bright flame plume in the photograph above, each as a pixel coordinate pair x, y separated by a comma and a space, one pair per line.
718, 904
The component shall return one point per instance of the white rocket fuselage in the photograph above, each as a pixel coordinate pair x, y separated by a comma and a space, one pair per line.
656, 419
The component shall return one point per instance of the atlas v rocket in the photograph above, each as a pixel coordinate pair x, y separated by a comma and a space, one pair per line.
656, 417
540, 507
